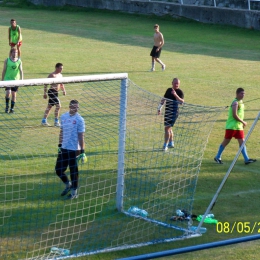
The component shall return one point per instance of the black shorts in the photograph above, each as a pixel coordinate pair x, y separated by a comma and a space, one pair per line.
14, 89
53, 97
170, 118
154, 53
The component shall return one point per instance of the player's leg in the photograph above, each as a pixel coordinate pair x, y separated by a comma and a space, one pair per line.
46, 114
60, 168
13, 101
19, 49
57, 113
174, 118
153, 64
221, 148
171, 141
157, 56
7, 98
167, 136
152, 54
74, 174
244, 152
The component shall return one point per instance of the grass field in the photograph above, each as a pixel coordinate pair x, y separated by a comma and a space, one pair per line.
211, 62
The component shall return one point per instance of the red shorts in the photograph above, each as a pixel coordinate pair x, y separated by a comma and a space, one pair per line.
238, 134
13, 44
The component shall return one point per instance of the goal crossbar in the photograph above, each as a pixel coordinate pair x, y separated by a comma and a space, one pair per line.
63, 80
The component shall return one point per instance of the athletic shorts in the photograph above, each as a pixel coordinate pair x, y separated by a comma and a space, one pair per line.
238, 134
14, 44
154, 53
14, 89
53, 97
170, 118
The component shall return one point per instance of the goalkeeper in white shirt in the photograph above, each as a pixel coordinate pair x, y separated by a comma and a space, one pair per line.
71, 149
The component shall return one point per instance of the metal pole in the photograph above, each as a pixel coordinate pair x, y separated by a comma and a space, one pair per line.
193, 248
121, 145
249, 6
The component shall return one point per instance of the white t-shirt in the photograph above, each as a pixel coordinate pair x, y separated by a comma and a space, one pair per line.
71, 126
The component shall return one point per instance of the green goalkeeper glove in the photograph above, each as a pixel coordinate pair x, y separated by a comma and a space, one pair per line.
59, 148
82, 158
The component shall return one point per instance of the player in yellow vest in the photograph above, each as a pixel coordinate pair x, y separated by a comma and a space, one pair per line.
235, 127
12, 71
15, 36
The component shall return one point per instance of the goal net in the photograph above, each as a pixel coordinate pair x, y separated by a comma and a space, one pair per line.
126, 167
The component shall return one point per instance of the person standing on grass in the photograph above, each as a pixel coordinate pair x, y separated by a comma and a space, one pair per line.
71, 143
235, 125
156, 50
53, 96
12, 70
172, 97
15, 36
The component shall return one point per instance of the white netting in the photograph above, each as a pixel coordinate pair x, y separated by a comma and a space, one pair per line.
33, 216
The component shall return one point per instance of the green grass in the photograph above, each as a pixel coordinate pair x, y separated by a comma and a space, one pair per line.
211, 62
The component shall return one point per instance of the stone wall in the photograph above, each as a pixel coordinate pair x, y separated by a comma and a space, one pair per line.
206, 14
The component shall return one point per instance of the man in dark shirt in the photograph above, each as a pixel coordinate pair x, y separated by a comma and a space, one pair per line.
172, 97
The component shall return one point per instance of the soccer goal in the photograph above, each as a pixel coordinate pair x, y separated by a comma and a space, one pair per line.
126, 167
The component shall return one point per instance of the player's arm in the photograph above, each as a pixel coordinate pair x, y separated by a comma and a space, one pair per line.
21, 71
45, 91
19, 34
81, 142
180, 99
9, 35
160, 106
161, 41
4, 70
60, 137
234, 113
63, 89
46, 87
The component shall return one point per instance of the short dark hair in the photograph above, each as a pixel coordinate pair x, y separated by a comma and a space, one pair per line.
74, 101
13, 20
11, 50
239, 90
58, 65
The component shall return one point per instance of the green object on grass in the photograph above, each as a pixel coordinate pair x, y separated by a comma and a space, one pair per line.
207, 220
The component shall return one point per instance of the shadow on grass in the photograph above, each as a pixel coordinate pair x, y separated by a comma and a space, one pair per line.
182, 35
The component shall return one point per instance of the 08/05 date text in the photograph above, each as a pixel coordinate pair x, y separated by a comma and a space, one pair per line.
238, 226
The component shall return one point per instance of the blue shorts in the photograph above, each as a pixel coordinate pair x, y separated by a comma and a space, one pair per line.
170, 118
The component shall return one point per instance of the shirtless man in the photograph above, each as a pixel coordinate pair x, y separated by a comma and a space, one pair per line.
53, 96
156, 51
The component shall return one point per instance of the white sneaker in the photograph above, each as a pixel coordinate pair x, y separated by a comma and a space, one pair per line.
45, 124
163, 67
57, 124
165, 148
171, 145
152, 69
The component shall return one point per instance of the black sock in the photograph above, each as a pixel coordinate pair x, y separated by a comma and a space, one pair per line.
7, 102
12, 104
